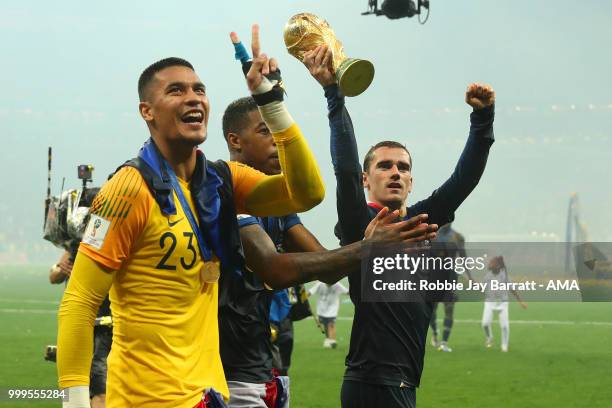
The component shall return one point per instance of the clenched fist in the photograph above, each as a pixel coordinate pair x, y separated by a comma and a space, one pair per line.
479, 96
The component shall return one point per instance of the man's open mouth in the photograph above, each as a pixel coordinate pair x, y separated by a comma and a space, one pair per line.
394, 185
193, 116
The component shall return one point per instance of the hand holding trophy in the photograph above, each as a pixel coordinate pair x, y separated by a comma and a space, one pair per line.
305, 32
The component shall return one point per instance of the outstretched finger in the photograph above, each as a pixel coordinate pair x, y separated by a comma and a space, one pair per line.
411, 238
390, 217
414, 221
381, 214
240, 52
373, 225
421, 233
415, 232
255, 47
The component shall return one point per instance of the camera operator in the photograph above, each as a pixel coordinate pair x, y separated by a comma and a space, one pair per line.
103, 332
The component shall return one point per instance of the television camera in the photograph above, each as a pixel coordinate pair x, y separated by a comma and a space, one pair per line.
66, 214
394, 9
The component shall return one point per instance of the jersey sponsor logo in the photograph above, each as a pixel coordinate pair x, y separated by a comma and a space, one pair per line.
172, 224
96, 231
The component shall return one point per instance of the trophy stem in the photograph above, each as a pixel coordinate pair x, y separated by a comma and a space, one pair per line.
354, 76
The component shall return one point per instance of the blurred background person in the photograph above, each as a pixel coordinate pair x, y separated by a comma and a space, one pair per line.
497, 301
328, 304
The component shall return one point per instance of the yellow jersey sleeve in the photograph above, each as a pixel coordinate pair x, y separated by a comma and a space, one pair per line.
87, 287
118, 215
298, 188
244, 179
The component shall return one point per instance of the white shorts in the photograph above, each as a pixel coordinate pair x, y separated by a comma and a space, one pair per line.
246, 395
490, 307
249, 395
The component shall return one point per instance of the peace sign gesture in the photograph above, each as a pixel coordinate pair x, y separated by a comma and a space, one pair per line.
261, 64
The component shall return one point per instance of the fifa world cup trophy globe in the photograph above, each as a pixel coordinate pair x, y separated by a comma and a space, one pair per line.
304, 32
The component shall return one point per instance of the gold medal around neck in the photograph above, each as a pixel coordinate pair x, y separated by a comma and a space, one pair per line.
210, 271
304, 32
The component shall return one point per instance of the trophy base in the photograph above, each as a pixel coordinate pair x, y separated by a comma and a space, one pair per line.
354, 76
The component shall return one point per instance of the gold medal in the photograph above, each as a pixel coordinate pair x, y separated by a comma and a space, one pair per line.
210, 271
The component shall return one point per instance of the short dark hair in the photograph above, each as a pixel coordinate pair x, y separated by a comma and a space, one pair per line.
235, 115
148, 74
387, 143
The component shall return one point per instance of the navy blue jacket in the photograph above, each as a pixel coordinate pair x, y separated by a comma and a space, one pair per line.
244, 312
388, 339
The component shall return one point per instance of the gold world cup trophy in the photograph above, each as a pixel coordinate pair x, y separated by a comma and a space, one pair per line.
305, 31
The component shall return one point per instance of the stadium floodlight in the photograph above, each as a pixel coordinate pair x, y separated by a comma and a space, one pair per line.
395, 9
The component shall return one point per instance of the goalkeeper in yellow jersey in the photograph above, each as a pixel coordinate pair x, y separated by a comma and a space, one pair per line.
161, 232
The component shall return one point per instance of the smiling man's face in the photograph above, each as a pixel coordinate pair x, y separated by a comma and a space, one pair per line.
176, 107
388, 178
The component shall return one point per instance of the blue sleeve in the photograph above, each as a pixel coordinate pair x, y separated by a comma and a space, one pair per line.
290, 220
244, 220
443, 202
279, 306
353, 215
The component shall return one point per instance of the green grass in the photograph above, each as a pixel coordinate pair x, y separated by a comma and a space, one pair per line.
549, 364
28, 303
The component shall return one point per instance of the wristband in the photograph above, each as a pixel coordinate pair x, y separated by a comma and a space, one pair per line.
77, 397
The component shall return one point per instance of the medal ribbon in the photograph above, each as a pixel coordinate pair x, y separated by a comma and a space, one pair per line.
205, 252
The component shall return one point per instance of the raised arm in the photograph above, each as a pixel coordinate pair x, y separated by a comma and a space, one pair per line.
300, 186
351, 202
443, 202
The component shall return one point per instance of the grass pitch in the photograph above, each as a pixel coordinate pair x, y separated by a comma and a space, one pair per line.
559, 353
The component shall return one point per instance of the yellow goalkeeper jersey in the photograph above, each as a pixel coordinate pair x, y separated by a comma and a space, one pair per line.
165, 335
165, 350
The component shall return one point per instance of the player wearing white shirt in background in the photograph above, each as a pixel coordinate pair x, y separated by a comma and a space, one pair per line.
497, 300
328, 303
